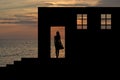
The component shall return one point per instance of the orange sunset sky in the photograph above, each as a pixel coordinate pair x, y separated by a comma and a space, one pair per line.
18, 18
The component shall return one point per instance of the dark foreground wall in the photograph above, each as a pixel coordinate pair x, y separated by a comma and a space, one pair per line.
91, 47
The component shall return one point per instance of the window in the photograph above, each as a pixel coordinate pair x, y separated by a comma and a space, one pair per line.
81, 21
105, 21
57, 40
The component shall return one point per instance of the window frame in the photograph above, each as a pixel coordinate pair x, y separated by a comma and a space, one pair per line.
82, 18
106, 21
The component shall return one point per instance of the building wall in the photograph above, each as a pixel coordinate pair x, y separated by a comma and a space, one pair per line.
82, 46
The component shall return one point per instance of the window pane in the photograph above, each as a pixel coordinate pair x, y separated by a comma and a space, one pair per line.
102, 16
79, 27
84, 21
103, 22
108, 16
108, 22
79, 16
85, 27
103, 27
84, 16
79, 22
108, 27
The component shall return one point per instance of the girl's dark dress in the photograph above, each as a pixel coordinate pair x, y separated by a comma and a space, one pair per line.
58, 44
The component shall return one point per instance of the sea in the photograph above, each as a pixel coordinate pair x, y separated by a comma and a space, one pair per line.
14, 50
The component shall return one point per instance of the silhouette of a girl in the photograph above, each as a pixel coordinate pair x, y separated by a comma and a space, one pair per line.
58, 44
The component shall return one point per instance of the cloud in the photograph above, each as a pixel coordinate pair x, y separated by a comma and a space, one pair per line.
19, 19
7, 18
18, 12
18, 22
25, 11
70, 3
18, 7
16, 4
28, 17
109, 3
78, 3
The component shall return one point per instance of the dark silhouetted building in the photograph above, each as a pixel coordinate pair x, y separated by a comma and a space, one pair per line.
91, 37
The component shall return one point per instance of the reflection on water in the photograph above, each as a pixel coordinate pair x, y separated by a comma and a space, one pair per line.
12, 50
